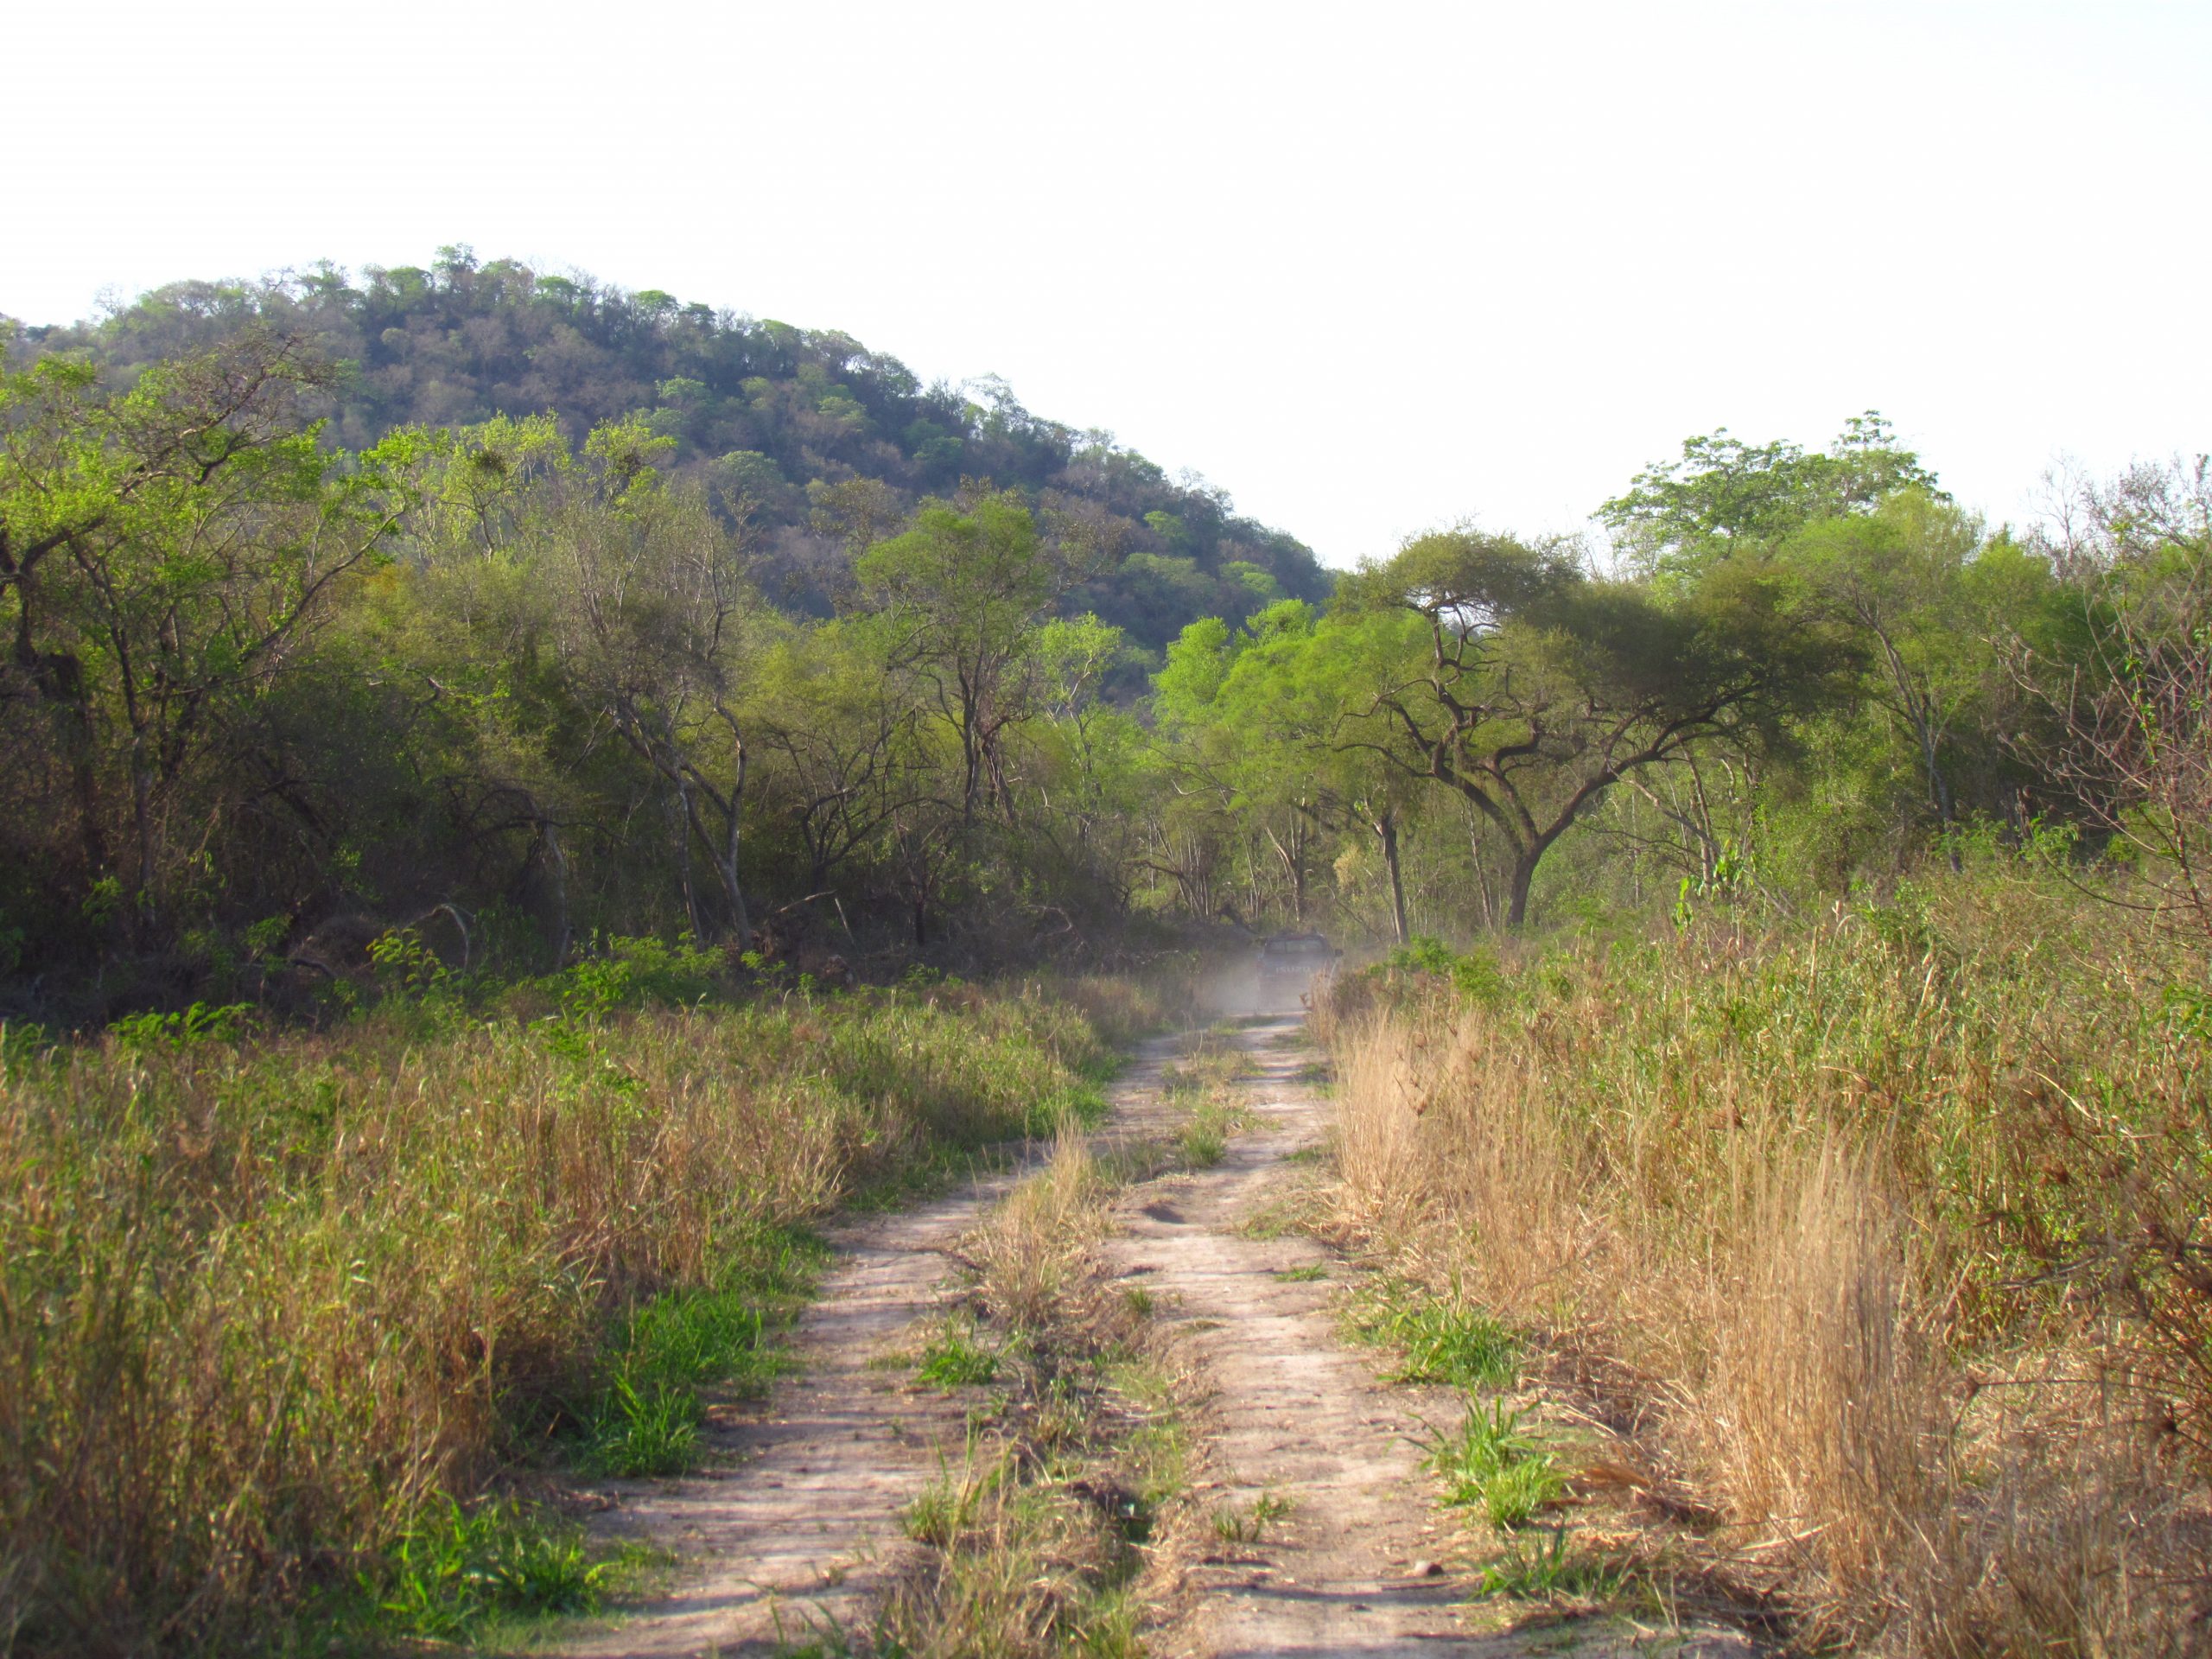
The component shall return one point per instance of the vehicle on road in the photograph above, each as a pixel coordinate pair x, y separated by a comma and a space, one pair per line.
1290, 962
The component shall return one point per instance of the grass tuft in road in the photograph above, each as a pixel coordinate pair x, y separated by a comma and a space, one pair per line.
1040, 1540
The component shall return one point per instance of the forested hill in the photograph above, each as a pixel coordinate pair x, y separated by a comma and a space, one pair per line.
827, 439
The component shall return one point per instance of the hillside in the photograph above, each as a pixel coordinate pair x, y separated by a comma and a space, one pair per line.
781, 415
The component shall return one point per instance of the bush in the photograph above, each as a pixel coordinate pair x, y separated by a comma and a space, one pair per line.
268, 1309
1899, 1215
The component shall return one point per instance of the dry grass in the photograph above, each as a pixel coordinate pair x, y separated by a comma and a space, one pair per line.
1045, 1540
1880, 1220
265, 1306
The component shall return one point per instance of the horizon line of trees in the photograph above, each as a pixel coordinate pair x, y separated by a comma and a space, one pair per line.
826, 440
259, 681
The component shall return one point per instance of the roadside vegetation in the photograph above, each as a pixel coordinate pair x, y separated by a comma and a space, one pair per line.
1882, 1231
297, 1332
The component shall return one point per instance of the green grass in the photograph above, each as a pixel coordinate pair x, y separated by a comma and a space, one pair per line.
646, 1420
454, 1573
1550, 1572
1312, 1273
302, 1293
1037, 1538
948, 1505
1494, 1465
1202, 1139
956, 1359
1249, 1526
1438, 1339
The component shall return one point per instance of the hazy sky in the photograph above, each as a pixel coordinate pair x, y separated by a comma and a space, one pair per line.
1368, 268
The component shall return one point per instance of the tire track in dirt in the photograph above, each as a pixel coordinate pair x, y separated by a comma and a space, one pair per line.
793, 1529
1293, 1417
1356, 1564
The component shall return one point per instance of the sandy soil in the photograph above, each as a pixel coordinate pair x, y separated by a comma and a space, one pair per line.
796, 1528
1361, 1563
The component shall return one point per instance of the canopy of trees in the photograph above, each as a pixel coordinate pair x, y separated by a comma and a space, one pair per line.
825, 438
566, 614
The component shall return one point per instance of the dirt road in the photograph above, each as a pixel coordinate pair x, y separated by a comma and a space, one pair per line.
1328, 1541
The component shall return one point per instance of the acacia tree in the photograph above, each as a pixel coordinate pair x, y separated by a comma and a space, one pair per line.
1503, 673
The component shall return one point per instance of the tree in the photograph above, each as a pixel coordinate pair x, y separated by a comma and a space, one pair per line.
1723, 492
1897, 576
1266, 714
963, 592
1503, 673
165, 551
659, 618
2131, 690
829, 711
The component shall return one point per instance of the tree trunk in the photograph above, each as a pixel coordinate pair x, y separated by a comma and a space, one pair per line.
557, 865
1386, 828
142, 808
1524, 873
726, 861
683, 850
1939, 787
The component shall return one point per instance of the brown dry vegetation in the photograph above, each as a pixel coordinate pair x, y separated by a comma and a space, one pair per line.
1888, 1234
265, 1306
1046, 1538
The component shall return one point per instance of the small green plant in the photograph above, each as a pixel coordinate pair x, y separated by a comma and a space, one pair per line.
1203, 1141
1441, 1338
405, 962
198, 1025
1547, 1573
1493, 1466
642, 1432
1312, 1273
1475, 975
1233, 1526
1138, 1301
620, 973
947, 1506
954, 1359
456, 1568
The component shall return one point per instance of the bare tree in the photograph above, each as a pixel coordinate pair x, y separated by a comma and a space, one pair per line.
2130, 744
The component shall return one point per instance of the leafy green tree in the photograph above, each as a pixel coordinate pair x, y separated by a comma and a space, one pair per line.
1723, 492
165, 551
1504, 674
964, 591
658, 619
1267, 716
1896, 575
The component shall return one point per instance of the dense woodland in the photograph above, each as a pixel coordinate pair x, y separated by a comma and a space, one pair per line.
565, 614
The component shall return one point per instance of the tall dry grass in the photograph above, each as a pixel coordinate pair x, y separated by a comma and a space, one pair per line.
1888, 1220
262, 1304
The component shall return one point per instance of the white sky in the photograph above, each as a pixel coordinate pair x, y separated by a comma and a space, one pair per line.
1369, 268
